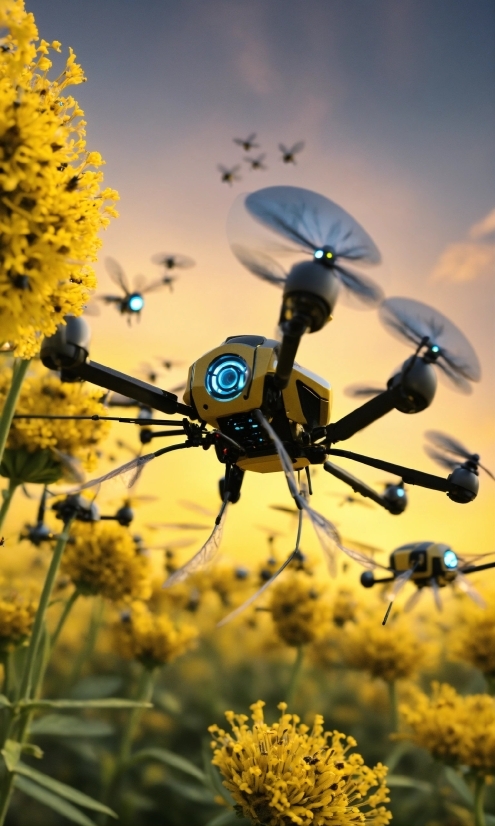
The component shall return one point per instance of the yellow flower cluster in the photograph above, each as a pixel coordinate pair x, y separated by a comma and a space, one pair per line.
290, 774
456, 730
150, 639
300, 608
473, 637
47, 395
391, 652
51, 203
16, 619
101, 558
344, 606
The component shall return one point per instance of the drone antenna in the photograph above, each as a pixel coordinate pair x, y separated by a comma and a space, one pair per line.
308, 477
387, 614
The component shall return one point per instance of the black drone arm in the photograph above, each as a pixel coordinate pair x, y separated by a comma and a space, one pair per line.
360, 418
357, 485
471, 569
140, 391
407, 474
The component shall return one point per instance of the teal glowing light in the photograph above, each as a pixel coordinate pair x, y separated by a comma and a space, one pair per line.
450, 559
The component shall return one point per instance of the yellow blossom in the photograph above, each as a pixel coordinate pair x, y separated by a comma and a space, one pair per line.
473, 637
17, 613
300, 608
391, 652
457, 730
153, 640
101, 558
290, 774
52, 206
46, 394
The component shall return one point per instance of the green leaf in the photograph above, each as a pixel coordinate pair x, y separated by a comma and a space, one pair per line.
460, 786
62, 790
395, 756
64, 725
198, 794
58, 804
171, 759
32, 750
4, 701
11, 754
168, 702
105, 702
402, 781
489, 820
97, 687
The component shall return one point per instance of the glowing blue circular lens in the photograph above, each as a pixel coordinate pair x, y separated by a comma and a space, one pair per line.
435, 348
226, 377
319, 254
136, 303
400, 493
450, 559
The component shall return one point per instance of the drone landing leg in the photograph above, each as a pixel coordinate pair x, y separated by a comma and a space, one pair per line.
356, 484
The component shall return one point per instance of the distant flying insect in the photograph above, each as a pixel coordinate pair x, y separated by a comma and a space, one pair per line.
348, 499
289, 155
256, 163
229, 175
132, 301
427, 565
247, 143
171, 261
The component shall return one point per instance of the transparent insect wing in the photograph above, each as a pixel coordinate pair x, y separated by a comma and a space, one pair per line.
196, 507
468, 588
72, 467
260, 265
130, 473
257, 594
413, 600
117, 274
436, 594
204, 556
310, 220
398, 584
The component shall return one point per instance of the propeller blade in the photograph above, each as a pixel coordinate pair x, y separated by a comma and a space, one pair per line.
467, 588
413, 600
260, 265
398, 584
359, 289
436, 594
117, 274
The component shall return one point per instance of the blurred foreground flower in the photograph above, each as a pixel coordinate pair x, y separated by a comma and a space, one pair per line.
52, 206
152, 640
288, 773
102, 559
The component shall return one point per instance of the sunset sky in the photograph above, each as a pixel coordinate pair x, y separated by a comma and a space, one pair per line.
395, 103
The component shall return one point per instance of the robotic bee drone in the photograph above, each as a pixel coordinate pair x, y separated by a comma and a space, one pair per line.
428, 565
259, 409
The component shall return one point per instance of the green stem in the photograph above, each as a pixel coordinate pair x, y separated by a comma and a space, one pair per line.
7, 494
479, 794
18, 373
63, 618
87, 650
394, 709
295, 675
144, 693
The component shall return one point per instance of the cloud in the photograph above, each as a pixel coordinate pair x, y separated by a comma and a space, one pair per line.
465, 261
484, 230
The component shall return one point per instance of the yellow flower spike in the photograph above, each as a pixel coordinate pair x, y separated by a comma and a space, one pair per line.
300, 608
17, 612
42, 144
285, 774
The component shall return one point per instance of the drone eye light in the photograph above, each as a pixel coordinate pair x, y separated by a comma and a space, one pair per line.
450, 559
136, 303
226, 377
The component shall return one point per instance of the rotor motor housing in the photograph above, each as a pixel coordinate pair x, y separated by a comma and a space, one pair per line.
69, 346
250, 360
418, 382
468, 485
311, 289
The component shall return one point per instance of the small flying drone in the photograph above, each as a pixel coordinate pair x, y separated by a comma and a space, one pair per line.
247, 143
289, 155
260, 410
432, 565
131, 301
229, 176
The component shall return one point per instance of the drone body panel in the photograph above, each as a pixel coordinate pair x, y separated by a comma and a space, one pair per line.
429, 561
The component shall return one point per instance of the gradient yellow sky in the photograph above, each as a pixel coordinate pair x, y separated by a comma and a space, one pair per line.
398, 131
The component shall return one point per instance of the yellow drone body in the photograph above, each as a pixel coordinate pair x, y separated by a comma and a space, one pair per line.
430, 560
229, 382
